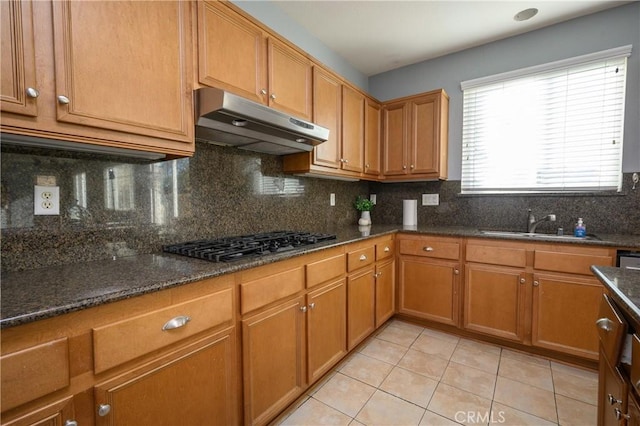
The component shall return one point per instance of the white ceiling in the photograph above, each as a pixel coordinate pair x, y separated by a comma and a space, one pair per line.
376, 36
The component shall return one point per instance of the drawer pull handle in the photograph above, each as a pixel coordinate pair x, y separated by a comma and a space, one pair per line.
605, 324
428, 248
363, 257
32, 93
612, 400
103, 409
620, 415
177, 322
70, 423
387, 249
63, 100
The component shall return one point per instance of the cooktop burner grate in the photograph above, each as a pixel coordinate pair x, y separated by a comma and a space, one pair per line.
246, 246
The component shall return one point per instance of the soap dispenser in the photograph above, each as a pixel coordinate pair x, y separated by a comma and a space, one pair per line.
580, 230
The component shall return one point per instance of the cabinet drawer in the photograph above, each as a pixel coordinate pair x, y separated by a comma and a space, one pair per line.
611, 330
571, 263
117, 343
34, 372
635, 362
431, 248
384, 250
325, 269
493, 255
360, 258
257, 293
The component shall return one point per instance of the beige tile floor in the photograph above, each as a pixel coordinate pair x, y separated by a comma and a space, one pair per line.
410, 375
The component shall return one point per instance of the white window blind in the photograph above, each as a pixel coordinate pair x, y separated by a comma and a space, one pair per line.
552, 128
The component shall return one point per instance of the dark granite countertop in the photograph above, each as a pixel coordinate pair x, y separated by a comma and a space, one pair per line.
47, 292
624, 286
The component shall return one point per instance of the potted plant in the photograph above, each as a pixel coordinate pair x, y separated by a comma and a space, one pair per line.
364, 206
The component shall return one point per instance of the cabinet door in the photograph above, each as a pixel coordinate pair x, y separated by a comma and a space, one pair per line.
352, 130
18, 70
612, 395
395, 139
326, 328
494, 300
232, 52
55, 414
125, 66
327, 110
273, 360
372, 140
385, 292
633, 411
289, 80
195, 386
429, 289
360, 306
423, 155
565, 310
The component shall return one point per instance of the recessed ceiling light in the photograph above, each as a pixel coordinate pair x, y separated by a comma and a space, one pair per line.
523, 15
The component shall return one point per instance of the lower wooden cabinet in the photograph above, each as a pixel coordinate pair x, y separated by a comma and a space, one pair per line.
565, 310
361, 301
494, 300
612, 395
326, 328
428, 289
385, 291
59, 413
194, 386
273, 351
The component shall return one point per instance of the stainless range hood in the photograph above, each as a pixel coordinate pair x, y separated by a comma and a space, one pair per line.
223, 118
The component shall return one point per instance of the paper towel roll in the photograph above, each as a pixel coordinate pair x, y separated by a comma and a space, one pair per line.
409, 212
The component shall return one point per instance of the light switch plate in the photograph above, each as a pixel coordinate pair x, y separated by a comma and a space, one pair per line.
332, 199
46, 200
373, 198
430, 199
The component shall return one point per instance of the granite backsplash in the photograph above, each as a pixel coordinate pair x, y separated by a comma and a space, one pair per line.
612, 213
120, 207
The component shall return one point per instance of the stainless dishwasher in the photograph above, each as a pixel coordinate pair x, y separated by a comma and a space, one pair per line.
629, 259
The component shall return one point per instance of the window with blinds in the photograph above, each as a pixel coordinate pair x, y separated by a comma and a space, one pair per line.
557, 127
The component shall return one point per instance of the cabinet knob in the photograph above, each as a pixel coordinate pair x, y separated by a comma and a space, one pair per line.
367, 166
522, 280
387, 249
412, 167
377, 274
620, 415
363, 257
605, 324
263, 91
103, 409
428, 248
312, 305
63, 100
70, 423
32, 93
536, 283
303, 308
613, 400
456, 272
404, 167
273, 96
177, 322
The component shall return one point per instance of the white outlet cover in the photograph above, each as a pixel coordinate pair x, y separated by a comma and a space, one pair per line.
46, 200
332, 199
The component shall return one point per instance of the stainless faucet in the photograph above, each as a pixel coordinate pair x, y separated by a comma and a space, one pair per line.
533, 223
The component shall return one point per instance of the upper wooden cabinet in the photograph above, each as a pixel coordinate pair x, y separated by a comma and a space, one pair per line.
372, 137
19, 86
327, 112
352, 130
237, 55
93, 82
416, 137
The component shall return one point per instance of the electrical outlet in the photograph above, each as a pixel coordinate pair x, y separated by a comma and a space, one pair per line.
373, 198
46, 200
430, 199
332, 199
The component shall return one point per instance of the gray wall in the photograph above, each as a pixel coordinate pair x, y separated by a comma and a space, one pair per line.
611, 28
276, 19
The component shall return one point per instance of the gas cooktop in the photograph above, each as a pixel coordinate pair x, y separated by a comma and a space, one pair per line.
246, 246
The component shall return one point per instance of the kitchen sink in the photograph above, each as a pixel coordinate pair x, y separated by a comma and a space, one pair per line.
539, 236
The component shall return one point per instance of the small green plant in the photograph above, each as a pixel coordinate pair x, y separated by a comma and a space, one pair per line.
363, 204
